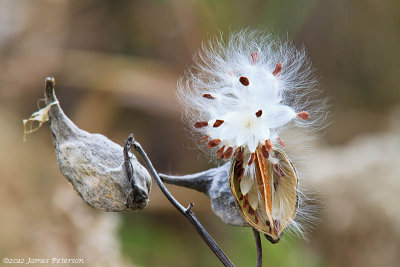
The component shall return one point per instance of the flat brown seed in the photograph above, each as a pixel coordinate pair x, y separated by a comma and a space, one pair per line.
256, 217
218, 123
303, 115
200, 124
268, 145
278, 69
228, 152
213, 143
220, 151
251, 158
204, 138
236, 151
208, 96
265, 152
259, 113
244, 80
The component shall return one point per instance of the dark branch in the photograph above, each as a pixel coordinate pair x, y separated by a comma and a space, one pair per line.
185, 211
259, 248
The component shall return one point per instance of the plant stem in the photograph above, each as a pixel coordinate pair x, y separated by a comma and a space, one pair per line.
259, 248
187, 212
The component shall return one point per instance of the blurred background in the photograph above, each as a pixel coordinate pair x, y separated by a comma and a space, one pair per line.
116, 64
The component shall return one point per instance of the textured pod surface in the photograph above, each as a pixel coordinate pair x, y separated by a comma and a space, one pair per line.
95, 165
214, 183
276, 193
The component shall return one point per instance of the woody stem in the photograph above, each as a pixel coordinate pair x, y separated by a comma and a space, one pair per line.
259, 248
187, 212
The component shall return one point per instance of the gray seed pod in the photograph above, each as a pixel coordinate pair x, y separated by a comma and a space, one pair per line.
96, 167
214, 183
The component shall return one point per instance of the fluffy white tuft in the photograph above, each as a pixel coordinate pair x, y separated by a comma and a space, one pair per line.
218, 69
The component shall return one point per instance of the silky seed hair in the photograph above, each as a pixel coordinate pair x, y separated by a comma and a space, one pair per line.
247, 90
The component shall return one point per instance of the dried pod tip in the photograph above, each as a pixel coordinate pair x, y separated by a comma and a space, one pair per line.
213, 143
200, 124
303, 115
259, 113
208, 96
244, 80
218, 123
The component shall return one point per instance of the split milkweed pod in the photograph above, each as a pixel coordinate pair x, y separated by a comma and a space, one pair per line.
277, 194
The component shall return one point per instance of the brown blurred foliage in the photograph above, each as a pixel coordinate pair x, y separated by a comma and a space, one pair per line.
116, 64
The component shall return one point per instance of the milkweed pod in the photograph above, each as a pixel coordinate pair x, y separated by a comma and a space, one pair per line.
276, 193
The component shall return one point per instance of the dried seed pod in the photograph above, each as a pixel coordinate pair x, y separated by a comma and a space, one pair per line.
96, 166
214, 183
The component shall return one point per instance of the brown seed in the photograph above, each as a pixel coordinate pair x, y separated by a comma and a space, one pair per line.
236, 151
303, 115
251, 159
200, 124
218, 123
213, 143
256, 217
204, 138
244, 81
265, 152
220, 152
278, 69
268, 145
208, 96
254, 58
228, 152
259, 113
281, 142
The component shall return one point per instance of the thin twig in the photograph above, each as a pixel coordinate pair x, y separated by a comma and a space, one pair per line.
259, 248
185, 211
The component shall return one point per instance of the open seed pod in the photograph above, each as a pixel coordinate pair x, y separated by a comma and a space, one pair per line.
271, 203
